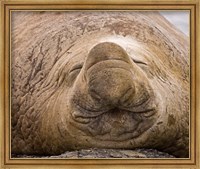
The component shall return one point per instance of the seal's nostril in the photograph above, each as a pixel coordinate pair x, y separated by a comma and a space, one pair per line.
95, 95
126, 98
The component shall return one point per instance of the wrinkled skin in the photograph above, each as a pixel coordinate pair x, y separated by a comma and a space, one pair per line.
98, 80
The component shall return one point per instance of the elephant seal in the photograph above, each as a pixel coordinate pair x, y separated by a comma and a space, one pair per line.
80, 80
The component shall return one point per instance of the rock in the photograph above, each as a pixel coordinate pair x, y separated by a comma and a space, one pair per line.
105, 153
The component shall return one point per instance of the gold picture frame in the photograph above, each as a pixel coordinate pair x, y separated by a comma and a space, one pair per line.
7, 6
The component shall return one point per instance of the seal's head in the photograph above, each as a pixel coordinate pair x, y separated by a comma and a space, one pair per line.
113, 99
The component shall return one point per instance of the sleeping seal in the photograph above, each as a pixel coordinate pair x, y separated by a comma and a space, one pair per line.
83, 80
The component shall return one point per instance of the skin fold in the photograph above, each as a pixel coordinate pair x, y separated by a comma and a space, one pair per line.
98, 80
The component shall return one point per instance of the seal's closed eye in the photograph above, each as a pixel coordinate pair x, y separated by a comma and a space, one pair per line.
76, 68
139, 61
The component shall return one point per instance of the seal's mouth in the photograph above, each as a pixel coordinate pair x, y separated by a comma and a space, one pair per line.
86, 116
85, 113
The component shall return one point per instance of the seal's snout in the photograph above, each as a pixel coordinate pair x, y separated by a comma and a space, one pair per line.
108, 73
110, 79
